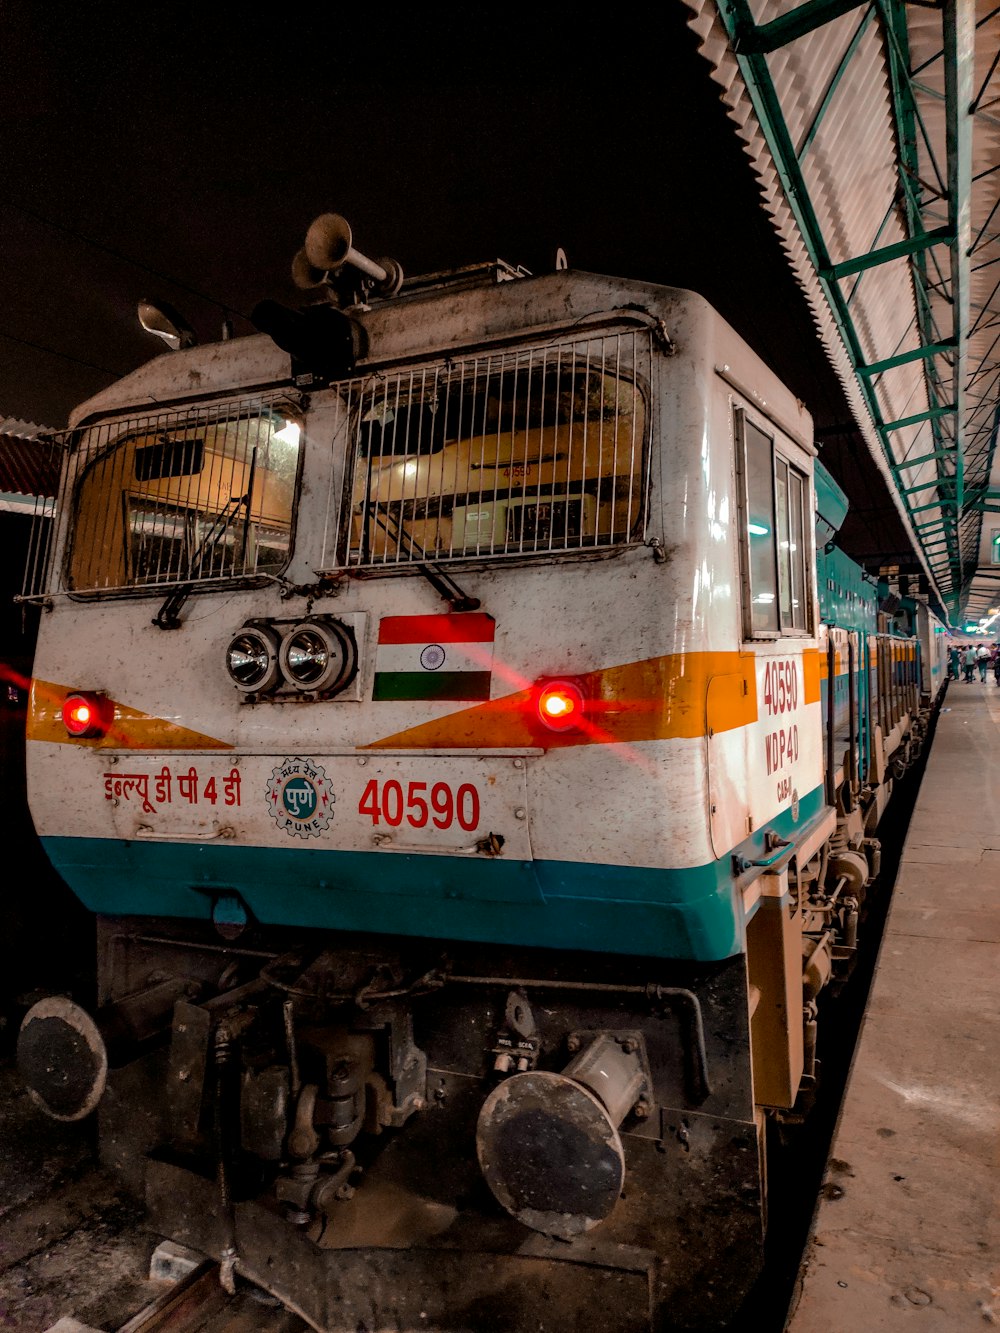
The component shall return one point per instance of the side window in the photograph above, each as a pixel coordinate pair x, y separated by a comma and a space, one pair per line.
995, 546
774, 535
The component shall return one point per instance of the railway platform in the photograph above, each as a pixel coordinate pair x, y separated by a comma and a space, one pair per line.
906, 1232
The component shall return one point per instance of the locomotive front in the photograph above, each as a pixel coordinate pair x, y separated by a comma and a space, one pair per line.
393, 709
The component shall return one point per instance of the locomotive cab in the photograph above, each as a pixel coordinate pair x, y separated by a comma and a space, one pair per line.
435, 709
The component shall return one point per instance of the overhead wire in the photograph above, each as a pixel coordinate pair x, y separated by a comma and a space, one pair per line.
117, 254
65, 356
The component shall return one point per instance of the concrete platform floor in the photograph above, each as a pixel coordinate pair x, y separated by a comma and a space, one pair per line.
907, 1228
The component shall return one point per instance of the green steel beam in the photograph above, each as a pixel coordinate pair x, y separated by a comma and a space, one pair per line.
749, 44
908, 120
908, 125
922, 486
935, 457
834, 83
959, 20
898, 250
904, 358
751, 40
931, 415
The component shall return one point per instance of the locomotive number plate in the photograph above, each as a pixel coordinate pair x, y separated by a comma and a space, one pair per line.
432, 803
439, 804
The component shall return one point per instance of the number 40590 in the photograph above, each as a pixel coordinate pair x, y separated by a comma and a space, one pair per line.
385, 802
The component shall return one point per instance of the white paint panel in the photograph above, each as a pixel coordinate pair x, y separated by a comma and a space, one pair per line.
433, 657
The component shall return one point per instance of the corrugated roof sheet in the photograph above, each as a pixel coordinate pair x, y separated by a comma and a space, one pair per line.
28, 467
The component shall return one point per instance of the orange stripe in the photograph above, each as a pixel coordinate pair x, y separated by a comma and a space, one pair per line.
811, 672
657, 699
130, 730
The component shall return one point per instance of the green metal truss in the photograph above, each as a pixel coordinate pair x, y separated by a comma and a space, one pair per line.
962, 455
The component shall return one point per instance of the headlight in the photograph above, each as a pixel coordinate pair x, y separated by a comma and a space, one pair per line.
252, 660
318, 656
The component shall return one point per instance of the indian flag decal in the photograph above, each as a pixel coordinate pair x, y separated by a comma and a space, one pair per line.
434, 657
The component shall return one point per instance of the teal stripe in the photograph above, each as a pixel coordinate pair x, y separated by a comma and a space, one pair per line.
687, 914
431, 685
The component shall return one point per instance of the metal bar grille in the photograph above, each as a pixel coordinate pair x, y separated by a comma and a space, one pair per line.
511, 453
44, 519
189, 496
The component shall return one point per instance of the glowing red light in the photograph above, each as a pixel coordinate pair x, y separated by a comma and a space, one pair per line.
560, 705
84, 715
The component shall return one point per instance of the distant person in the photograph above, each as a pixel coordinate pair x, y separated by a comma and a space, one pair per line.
969, 662
953, 668
996, 662
982, 661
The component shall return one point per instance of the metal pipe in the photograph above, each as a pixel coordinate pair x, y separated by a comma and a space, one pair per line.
223, 1106
288, 1013
831, 718
809, 1035
851, 923
883, 694
652, 991
852, 717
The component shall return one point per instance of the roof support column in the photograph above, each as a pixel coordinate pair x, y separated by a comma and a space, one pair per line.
959, 20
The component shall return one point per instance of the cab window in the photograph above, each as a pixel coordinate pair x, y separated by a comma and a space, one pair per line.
185, 498
515, 453
775, 505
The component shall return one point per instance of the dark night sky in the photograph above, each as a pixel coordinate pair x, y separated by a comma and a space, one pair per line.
182, 154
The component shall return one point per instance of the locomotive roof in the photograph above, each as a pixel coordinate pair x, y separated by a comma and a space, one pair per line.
433, 318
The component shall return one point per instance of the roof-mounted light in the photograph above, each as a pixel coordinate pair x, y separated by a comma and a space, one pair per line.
167, 323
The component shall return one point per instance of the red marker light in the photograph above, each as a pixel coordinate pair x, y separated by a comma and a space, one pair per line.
87, 715
560, 704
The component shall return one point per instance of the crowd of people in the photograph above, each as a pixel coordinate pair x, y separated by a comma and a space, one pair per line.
965, 660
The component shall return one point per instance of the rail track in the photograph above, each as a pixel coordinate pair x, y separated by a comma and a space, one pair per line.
198, 1303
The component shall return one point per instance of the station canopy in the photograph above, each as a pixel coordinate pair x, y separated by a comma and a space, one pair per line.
874, 130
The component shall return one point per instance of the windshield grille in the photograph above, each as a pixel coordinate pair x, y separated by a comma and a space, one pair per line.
511, 453
188, 496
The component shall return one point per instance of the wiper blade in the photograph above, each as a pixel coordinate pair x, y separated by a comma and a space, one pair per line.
439, 579
169, 614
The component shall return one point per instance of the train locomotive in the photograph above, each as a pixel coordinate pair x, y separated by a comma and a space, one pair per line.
475, 783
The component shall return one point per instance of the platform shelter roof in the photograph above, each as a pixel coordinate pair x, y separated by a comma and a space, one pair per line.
874, 129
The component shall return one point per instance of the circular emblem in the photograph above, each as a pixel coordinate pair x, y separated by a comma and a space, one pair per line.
432, 657
299, 798
795, 805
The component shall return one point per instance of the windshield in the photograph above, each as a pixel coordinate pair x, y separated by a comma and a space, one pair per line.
509, 454
184, 498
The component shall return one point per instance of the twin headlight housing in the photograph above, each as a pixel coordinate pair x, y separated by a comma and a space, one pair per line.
316, 657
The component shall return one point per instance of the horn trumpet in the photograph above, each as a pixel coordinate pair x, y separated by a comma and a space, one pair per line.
329, 247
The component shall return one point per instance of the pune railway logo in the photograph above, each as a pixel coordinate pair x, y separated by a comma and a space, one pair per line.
299, 798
